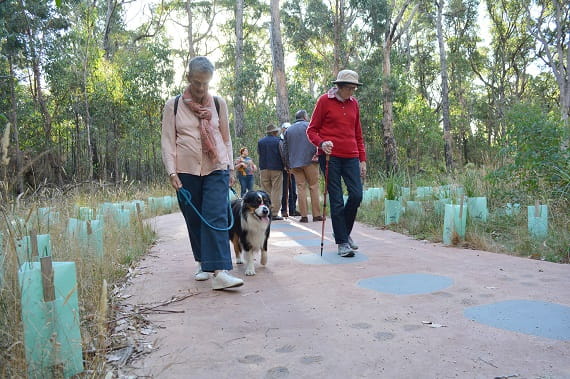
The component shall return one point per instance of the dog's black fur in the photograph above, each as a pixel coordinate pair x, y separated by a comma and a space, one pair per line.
252, 224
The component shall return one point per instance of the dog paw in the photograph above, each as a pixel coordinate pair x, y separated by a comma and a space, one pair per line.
263, 258
249, 272
239, 261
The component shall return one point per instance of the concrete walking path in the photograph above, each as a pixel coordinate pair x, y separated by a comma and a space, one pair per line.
401, 308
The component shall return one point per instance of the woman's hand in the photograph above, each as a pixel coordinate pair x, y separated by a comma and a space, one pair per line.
175, 182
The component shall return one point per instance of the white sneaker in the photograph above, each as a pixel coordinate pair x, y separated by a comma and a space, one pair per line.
201, 275
224, 280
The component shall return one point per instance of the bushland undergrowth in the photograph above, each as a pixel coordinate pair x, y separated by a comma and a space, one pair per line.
123, 246
505, 230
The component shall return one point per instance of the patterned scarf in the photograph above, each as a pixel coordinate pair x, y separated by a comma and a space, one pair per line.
202, 111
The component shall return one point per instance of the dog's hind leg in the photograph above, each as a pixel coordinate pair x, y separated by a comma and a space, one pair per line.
263, 257
237, 249
249, 263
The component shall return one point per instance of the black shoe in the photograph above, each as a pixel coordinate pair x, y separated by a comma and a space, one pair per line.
304, 219
276, 218
318, 218
296, 213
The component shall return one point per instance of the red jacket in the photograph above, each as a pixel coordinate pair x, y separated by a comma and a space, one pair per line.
339, 122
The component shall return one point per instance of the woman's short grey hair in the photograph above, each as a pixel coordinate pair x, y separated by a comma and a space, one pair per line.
200, 64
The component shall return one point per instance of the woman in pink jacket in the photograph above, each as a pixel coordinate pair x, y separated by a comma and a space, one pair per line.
197, 155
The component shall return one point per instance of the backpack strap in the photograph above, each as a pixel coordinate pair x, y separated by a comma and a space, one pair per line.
217, 104
176, 105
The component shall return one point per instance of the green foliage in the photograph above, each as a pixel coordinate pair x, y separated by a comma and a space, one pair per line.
534, 150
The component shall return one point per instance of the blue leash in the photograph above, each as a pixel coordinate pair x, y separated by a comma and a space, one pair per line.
184, 197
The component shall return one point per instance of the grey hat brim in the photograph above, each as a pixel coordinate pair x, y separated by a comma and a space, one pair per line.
274, 129
345, 82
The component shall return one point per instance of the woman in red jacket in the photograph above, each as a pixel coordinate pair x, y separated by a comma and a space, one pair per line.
335, 129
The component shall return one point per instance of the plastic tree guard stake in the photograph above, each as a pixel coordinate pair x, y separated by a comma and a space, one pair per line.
86, 213
454, 221
392, 211
137, 206
95, 237
477, 208
28, 252
538, 220
50, 314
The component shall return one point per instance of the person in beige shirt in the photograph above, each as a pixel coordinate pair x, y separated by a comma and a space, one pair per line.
197, 155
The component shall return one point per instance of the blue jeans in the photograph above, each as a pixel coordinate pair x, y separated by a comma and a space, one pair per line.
209, 194
245, 183
342, 215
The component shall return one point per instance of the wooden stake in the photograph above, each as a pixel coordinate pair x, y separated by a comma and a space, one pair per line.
537, 208
47, 279
34, 243
89, 228
461, 208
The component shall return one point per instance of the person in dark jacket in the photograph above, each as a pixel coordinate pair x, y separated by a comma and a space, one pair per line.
271, 168
300, 152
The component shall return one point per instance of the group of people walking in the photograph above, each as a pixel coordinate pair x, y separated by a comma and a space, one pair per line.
197, 155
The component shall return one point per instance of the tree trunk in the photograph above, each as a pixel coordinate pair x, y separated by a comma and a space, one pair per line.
339, 36
111, 5
444, 90
390, 148
191, 51
238, 95
282, 103
19, 181
390, 38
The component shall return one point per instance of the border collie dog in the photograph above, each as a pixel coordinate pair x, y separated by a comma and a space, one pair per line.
252, 222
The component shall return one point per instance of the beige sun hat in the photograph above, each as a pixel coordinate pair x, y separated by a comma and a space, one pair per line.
285, 125
271, 128
347, 76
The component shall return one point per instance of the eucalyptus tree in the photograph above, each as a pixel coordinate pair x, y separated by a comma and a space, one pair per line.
462, 36
505, 72
397, 22
37, 26
448, 146
551, 27
278, 59
238, 76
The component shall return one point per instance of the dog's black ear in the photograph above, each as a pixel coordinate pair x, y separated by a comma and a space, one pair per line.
266, 198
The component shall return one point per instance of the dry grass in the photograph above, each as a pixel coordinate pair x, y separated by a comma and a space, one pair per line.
96, 275
501, 233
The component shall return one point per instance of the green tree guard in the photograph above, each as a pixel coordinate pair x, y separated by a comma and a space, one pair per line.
454, 222
26, 251
414, 207
538, 220
477, 208
392, 211
50, 314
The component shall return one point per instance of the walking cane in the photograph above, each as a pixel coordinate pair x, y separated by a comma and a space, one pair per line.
325, 202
